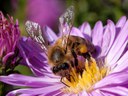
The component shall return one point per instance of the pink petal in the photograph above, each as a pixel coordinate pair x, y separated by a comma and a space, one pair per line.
121, 64
106, 93
5, 58
96, 93
33, 56
118, 46
76, 32
49, 34
108, 38
73, 95
117, 91
22, 95
21, 80
86, 30
121, 22
66, 94
37, 91
97, 34
118, 78
83, 93
118, 54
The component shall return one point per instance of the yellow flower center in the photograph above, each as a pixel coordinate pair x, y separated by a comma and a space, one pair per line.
91, 74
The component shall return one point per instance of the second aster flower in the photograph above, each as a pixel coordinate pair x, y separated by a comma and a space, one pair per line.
9, 36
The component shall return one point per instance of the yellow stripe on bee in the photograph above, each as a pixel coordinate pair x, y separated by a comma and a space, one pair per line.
83, 48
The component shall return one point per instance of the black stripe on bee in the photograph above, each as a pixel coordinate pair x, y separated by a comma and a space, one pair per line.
63, 66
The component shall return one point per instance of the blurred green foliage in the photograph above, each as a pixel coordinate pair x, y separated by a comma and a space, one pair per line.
94, 10
85, 10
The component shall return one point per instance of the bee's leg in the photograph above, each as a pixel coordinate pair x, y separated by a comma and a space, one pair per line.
81, 49
61, 80
72, 78
75, 58
86, 55
79, 70
68, 78
74, 54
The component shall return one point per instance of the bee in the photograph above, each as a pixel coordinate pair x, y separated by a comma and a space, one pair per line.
64, 54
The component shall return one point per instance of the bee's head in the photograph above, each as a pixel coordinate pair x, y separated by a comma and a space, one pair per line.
63, 66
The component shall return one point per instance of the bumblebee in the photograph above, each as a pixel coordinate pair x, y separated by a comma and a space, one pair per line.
64, 54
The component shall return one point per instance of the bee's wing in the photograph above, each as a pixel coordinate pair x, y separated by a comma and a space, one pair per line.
34, 31
66, 23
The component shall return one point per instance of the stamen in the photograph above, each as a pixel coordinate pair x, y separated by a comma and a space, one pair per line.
91, 74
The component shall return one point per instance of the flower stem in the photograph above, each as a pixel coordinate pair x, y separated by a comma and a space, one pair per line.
2, 85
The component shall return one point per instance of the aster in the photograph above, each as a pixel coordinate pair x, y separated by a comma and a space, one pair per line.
9, 36
107, 75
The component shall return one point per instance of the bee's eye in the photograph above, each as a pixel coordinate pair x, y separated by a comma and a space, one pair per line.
64, 66
55, 69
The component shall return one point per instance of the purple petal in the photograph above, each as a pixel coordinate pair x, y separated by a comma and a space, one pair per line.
65, 95
55, 93
107, 93
118, 46
121, 22
96, 93
37, 91
118, 54
5, 58
21, 80
122, 63
22, 95
2, 42
108, 38
97, 34
118, 79
86, 30
34, 57
76, 32
71, 94
49, 34
84, 93
116, 91
9, 35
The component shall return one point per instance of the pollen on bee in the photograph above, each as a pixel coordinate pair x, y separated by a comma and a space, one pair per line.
91, 74
83, 48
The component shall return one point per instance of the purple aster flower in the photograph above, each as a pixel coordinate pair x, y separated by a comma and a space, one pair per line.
9, 35
105, 76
